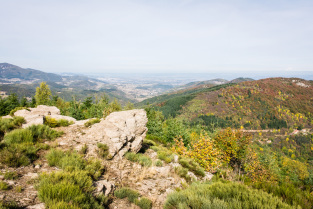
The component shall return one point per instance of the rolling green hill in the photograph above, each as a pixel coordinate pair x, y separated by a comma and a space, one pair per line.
272, 103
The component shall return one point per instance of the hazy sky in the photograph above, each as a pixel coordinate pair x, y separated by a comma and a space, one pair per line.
157, 35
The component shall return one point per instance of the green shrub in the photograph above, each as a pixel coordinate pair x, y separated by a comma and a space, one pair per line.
144, 160
92, 121
44, 132
4, 185
288, 192
131, 156
148, 142
84, 149
71, 161
192, 166
18, 136
67, 187
158, 163
10, 175
183, 173
8, 205
133, 196
94, 168
62, 205
155, 148
126, 192
223, 195
165, 156
16, 109
140, 158
52, 122
18, 189
31, 134
144, 203
54, 157
17, 155
66, 160
7, 124
103, 150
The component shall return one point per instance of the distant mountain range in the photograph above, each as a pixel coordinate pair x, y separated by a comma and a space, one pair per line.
12, 74
23, 82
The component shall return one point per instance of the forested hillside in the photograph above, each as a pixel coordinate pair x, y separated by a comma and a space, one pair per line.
272, 103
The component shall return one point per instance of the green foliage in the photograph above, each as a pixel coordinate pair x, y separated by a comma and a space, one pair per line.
31, 134
192, 166
16, 109
172, 106
72, 161
43, 94
10, 175
8, 124
129, 106
212, 122
8, 104
126, 192
18, 189
103, 150
144, 203
16, 155
173, 128
158, 163
52, 122
183, 173
288, 192
155, 120
4, 185
140, 158
65, 160
19, 136
94, 168
165, 155
9, 205
44, 132
222, 195
62, 188
84, 149
92, 121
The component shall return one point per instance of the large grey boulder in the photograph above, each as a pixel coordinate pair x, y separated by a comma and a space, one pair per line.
121, 131
35, 116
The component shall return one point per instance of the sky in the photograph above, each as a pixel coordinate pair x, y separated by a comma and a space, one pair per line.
158, 36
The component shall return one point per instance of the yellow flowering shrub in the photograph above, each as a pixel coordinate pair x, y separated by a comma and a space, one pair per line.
202, 149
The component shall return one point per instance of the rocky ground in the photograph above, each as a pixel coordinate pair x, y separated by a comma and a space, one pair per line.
122, 132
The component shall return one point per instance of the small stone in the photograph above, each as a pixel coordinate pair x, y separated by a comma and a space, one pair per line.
37, 166
175, 158
32, 175
2, 196
192, 175
10, 182
104, 187
208, 176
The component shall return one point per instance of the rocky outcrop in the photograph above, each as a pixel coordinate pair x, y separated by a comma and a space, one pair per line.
35, 116
121, 131
104, 187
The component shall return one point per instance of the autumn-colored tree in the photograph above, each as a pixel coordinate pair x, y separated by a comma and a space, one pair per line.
43, 94
255, 170
202, 149
295, 169
234, 146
